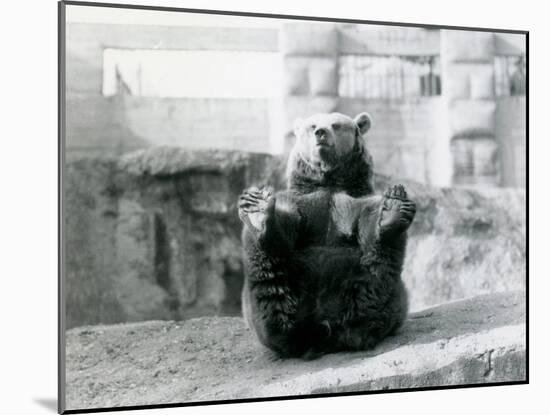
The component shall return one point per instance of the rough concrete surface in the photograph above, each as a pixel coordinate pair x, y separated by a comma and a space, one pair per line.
478, 340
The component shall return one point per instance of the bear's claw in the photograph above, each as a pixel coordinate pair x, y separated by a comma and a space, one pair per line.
255, 205
396, 212
396, 192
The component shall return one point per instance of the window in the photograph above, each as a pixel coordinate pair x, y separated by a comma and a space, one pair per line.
510, 75
392, 77
193, 74
475, 161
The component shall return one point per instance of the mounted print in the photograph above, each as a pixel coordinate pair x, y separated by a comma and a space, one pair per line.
259, 207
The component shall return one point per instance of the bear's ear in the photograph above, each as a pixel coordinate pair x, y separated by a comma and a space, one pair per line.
298, 126
364, 122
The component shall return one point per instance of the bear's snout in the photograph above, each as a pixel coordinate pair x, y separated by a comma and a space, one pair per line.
321, 135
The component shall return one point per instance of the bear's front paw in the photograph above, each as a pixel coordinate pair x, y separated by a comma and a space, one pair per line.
396, 211
256, 206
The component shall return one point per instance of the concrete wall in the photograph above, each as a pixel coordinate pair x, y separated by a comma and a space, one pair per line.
155, 235
403, 136
194, 123
510, 126
100, 125
467, 67
486, 134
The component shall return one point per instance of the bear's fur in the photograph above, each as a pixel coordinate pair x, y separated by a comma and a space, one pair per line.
323, 258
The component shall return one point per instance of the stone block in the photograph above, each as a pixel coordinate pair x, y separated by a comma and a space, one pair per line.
309, 39
510, 44
472, 118
482, 82
310, 76
296, 75
469, 81
457, 85
323, 76
467, 46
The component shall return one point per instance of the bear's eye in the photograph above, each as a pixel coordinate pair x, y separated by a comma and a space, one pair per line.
336, 126
312, 127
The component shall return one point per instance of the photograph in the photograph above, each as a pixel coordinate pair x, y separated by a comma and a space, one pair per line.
260, 207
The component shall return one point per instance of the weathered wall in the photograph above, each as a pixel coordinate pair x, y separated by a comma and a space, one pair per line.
464, 243
463, 137
198, 123
467, 67
487, 134
404, 135
97, 126
155, 235
510, 127
106, 126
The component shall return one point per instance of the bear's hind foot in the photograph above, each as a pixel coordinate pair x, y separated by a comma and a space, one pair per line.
396, 211
255, 208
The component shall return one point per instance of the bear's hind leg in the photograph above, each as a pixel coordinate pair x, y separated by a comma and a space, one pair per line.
270, 294
269, 300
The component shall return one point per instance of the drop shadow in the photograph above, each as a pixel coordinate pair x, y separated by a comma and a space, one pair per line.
48, 403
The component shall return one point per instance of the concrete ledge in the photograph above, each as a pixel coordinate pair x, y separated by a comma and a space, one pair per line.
478, 340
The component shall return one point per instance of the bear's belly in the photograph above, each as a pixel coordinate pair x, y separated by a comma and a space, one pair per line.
332, 219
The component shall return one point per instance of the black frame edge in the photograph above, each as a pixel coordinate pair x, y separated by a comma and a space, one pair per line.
294, 397
527, 208
61, 21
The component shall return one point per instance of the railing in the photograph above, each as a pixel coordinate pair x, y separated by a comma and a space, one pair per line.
390, 77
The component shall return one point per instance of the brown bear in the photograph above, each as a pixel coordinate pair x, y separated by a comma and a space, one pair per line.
323, 258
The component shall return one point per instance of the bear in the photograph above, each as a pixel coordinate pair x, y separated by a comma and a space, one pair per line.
323, 258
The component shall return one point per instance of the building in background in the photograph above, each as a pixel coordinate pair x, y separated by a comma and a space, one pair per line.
448, 106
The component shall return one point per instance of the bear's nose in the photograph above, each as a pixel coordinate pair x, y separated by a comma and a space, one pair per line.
321, 135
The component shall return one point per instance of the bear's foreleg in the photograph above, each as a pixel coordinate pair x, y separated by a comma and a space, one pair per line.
273, 227
375, 301
269, 294
382, 227
395, 215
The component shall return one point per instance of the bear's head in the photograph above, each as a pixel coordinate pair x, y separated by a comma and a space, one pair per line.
330, 151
